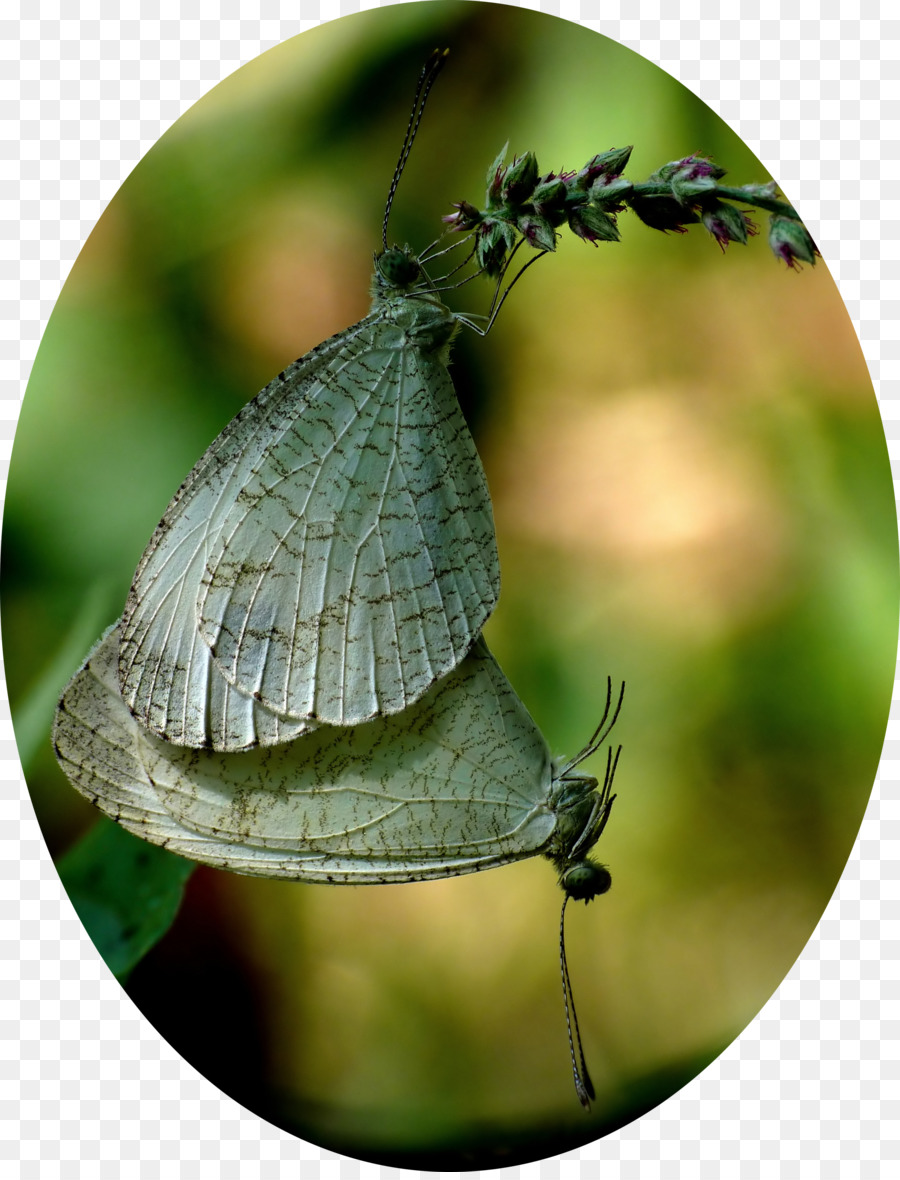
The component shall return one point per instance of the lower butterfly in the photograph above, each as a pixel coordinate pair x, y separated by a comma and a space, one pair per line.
461, 781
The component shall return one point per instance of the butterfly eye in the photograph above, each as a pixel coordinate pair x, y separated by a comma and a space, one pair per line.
398, 268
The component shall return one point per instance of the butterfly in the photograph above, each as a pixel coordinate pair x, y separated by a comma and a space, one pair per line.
332, 554
461, 780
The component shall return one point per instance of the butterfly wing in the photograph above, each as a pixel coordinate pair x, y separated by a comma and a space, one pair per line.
460, 782
166, 672
358, 561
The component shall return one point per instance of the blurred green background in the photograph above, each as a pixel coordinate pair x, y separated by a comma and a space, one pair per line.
692, 493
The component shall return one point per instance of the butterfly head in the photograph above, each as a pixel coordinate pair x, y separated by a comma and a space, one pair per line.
397, 269
585, 880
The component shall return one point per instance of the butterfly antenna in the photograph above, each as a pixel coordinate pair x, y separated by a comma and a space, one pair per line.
584, 1087
430, 71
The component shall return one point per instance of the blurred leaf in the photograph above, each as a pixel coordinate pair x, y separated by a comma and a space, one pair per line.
34, 715
125, 891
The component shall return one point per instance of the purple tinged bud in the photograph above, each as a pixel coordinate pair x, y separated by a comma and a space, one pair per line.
605, 166
691, 169
521, 178
592, 225
698, 168
495, 177
609, 193
550, 193
790, 241
549, 200
537, 231
727, 224
490, 247
465, 217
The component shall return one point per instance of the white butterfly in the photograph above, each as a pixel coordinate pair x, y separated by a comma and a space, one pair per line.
460, 781
333, 552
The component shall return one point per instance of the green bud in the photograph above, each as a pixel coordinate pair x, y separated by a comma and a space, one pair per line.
790, 241
549, 194
687, 189
606, 164
689, 169
495, 176
521, 178
537, 231
754, 192
549, 200
593, 225
726, 223
662, 213
607, 193
493, 239
465, 217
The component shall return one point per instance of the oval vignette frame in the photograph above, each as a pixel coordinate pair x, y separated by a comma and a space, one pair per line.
547, 885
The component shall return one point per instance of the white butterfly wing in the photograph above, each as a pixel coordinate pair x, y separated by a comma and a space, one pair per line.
96, 740
358, 562
166, 673
459, 782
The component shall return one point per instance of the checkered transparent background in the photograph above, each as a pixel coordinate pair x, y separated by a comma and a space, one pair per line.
88, 1088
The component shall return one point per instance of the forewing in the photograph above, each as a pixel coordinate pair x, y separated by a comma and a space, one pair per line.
166, 674
459, 782
358, 562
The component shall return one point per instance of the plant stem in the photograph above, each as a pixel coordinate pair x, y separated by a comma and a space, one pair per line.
728, 193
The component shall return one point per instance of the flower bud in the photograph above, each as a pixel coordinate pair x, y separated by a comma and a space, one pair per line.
609, 192
493, 240
687, 190
593, 225
465, 217
495, 177
662, 213
756, 192
607, 164
727, 224
549, 199
690, 168
537, 231
790, 241
521, 178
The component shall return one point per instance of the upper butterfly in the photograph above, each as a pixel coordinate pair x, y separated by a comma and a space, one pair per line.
332, 554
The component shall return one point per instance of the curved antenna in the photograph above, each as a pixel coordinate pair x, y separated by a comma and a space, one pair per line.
430, 71
584, 1087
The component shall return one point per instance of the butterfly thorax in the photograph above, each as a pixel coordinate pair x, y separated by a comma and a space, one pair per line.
581, 814
403, 296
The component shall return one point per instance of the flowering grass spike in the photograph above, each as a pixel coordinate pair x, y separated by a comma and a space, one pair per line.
521, 205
